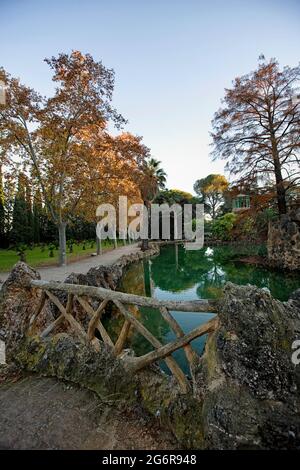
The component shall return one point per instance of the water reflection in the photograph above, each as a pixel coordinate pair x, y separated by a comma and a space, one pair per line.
177, 274
204, 272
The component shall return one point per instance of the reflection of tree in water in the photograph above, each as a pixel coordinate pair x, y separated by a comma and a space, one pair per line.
194, 267
133, 281
154, 322
280, 284
171, 276
210, 268
137, 281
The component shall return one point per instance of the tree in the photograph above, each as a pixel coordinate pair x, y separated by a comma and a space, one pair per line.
9, 191
211, 189
29, 213
37, 210
153, 178
258, 128
20, 232
46, 133
174, 196
179, 197
2, 212
116, 173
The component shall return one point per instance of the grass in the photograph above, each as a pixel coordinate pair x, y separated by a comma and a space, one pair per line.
40, 256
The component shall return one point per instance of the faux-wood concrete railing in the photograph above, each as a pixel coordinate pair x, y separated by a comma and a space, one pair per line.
81, 294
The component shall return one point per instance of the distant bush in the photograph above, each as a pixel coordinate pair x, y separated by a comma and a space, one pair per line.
207, 226
70, 244
262, 251
51, 248
244, 228
221, 228
263, 218
21, 251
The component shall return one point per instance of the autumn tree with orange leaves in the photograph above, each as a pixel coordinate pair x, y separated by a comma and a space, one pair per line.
257, 130
63, 143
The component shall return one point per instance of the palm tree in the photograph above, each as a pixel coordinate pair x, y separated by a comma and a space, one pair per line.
153, 179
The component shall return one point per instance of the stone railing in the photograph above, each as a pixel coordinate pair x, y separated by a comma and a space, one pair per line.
95, 332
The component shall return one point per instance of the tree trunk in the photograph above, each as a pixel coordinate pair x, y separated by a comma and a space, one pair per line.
281, 199
147, 278
99, 246
145, 244
62, 243
213, 211
280, 190
145, 241
115, 242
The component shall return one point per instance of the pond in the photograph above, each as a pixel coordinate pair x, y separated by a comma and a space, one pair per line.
177, 274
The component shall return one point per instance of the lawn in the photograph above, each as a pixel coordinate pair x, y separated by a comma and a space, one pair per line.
40, 256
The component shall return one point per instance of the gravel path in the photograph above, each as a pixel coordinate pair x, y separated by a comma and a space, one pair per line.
59, 273
44, 413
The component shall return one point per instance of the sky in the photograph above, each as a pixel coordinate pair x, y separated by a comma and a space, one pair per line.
172, 61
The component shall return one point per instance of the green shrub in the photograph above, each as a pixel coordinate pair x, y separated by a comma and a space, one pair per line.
248, 226
21, 251
208, 226
262, 251
51, 248
70, 244
221, 228
264, 217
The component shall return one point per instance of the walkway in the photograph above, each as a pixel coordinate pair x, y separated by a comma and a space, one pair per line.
59, 273
44, 413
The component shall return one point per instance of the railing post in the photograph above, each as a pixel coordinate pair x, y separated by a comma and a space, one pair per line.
189, 352
119, 346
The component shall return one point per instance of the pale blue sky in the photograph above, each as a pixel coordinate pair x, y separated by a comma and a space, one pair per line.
172, 60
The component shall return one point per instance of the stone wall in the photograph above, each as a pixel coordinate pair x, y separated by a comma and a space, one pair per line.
284, 242
109, 277
249, 388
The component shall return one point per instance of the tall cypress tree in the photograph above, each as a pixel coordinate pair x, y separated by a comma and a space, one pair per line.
19, 232
37, 215
2, 214
30, 222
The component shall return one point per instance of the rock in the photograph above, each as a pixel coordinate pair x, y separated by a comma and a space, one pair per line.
154, 392
295, 215
17, 303
295, 297
248, 385
65, 357
284, 242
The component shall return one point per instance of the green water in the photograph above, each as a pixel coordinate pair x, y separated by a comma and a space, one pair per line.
177, 274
